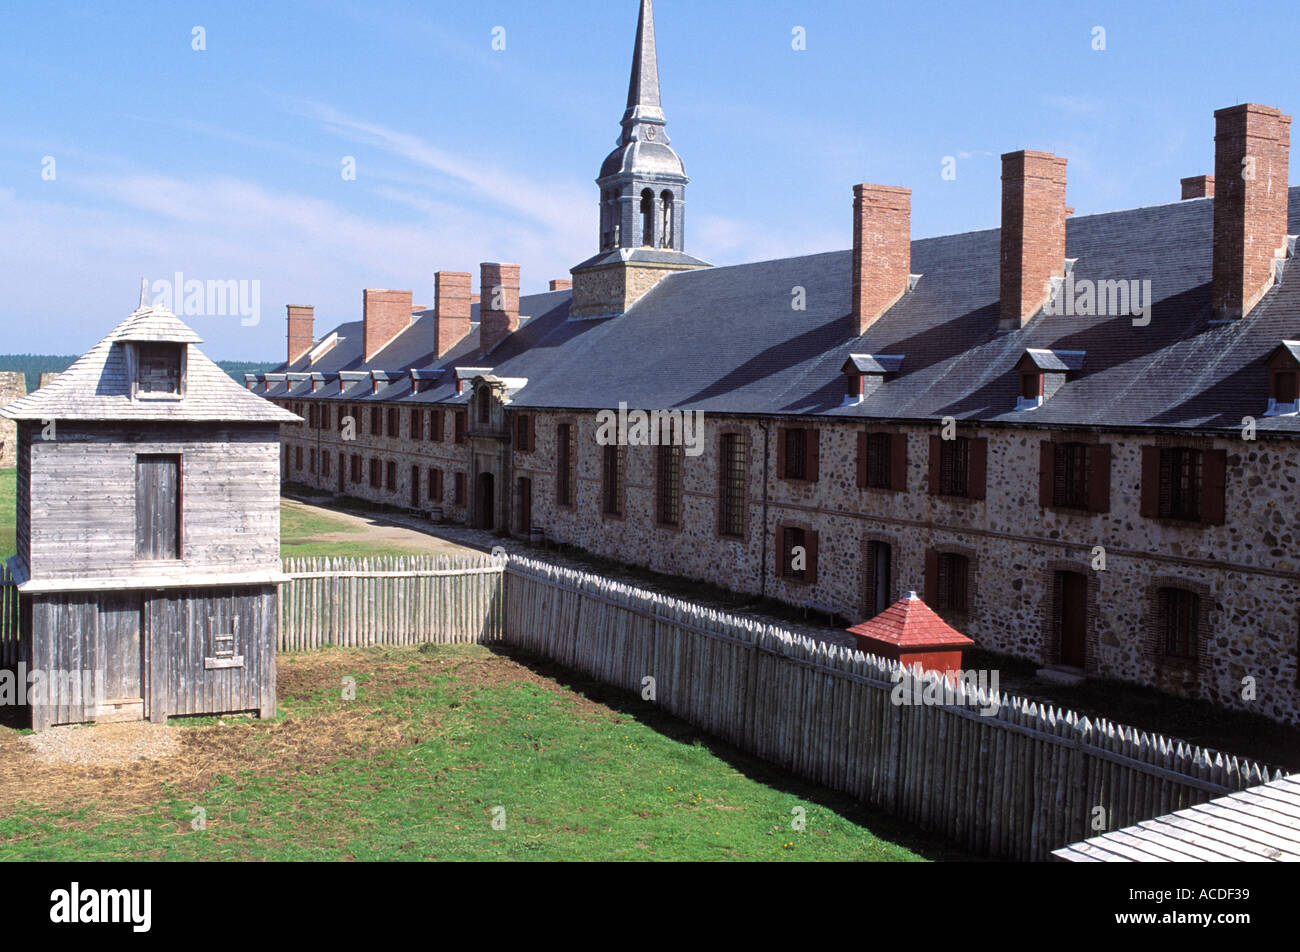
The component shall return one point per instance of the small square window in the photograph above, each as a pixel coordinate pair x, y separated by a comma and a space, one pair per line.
158, 370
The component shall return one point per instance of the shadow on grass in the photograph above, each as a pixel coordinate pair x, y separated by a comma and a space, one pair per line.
882, 825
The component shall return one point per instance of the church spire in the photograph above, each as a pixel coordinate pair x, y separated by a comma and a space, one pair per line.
643, 89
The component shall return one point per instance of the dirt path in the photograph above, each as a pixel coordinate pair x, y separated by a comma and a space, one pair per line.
374, 529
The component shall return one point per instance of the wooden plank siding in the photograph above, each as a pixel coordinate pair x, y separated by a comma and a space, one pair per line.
82, 495
184, 676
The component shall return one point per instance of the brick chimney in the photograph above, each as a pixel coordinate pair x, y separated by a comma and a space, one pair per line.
1033, 233
451, 307
499, 310
385, 314
302, 319
561, 284
882, 250
1198, 186
1252, 146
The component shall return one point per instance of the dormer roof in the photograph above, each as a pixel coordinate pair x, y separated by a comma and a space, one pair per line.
1051, 361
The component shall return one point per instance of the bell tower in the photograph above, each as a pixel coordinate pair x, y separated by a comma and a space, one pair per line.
642, 198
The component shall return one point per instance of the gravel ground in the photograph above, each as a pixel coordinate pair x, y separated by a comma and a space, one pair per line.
103, 744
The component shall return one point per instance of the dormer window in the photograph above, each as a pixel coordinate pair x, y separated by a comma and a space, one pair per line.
1042, 373
159, 370
1284, 380
864, 374
1031, 388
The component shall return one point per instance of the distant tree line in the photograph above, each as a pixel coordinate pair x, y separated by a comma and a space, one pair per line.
33, 365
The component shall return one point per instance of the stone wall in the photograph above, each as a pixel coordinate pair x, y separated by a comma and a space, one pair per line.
1246, 571
13, 384
448, 456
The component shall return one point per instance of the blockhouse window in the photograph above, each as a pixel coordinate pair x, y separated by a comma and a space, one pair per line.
158, 369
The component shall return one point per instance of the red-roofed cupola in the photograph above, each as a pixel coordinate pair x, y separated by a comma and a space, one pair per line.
910, 632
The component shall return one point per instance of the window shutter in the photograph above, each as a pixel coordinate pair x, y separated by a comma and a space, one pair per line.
810, 545
812, 455
780, 453
532, 433
898, 462
1099, 477
1046, 473
979, 450
936, 458
1151, 482
931, 575
781, 568
873, 609
1214, 467
862, 459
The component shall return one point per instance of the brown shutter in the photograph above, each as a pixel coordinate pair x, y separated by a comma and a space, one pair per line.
1151, 482
532, 433
979, 451
812, 455
898, 462
781, 567
780, 453
931, 576
810, 545
936, 457
862, 459
1046, 473
1099, 477
1214, 473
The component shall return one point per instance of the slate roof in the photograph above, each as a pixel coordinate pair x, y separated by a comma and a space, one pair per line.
911, 623
726, 339
96, 386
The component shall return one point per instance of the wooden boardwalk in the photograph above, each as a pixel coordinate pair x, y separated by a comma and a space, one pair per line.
1261, 824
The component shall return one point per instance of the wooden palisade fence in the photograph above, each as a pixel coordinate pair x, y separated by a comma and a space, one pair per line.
999, 775
390, 600
1015, 783
8, 619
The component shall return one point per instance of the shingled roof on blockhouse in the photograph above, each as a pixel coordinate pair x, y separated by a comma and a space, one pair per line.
97, 385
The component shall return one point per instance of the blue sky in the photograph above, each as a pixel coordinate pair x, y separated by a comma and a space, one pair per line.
225, 164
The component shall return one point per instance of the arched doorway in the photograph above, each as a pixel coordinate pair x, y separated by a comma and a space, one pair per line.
485, 501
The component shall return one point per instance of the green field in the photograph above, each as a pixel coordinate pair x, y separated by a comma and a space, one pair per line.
438, 743
8, 485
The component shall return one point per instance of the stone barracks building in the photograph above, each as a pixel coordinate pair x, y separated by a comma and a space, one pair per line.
1076, 436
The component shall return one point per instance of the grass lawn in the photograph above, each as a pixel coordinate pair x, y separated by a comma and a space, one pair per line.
438, 742
8, 500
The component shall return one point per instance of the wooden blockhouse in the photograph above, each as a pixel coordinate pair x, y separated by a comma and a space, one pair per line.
148, 533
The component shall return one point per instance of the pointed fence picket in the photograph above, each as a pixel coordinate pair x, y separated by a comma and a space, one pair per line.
390, 600
10, 647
